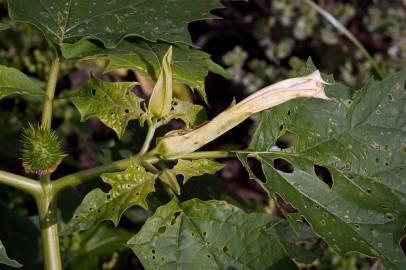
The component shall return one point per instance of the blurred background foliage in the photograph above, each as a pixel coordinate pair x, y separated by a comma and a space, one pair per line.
259, 42
292, 30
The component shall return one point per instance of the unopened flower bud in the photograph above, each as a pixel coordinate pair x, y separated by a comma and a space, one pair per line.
161, 99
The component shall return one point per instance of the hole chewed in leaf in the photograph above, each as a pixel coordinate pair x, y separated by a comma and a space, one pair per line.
175, 216
283, 165
390, 216
403, 241
324, 175
287, 140
282, 208
256, 168
162, 229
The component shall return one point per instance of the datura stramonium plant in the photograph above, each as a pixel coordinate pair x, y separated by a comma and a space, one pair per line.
179, 143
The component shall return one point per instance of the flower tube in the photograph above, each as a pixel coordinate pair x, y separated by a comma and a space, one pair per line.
182, 142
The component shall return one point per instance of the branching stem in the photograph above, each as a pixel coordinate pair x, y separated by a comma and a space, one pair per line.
20, 182
45, 200
89, 174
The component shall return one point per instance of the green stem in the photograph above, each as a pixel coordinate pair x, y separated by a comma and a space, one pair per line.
340, 27
49, 98
47, 211
46, 202
205, 154
148, 138
83, 176
89, 174
20, 182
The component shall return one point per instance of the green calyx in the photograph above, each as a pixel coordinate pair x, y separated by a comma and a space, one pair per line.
42, 152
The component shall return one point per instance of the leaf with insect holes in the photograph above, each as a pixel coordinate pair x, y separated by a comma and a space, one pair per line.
346, 172
191, 168
113, 103
68, 21
215, 234
189, 66
128, 188
13, 81
4, 259
191, 114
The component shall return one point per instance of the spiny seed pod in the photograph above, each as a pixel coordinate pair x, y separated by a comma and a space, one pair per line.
42, 152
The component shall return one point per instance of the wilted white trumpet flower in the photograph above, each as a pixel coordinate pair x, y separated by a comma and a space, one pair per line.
178, 143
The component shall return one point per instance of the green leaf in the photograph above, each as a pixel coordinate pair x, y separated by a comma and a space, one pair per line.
169, 178
346, 171
13, 81
130, 187
191, 168
188, 66
191, 114
161, 99
68, 21
113, 103
302, 246
4, 259
208, 235
96, 243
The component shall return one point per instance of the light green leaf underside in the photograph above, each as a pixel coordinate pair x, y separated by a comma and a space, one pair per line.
93, 245
189, 66
113, 103
130, 187
110, 21
208, 235
169, 178
13, 81
362, 143
4, 259
191, 168
191, 114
